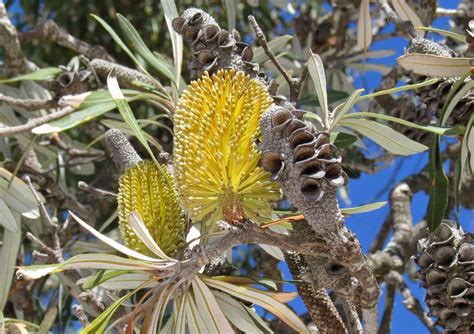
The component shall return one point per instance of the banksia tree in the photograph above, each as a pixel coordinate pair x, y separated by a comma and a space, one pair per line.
217, 123
254, 147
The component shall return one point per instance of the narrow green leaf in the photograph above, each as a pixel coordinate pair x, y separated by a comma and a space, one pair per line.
342, 139
171, 12
333, 96
100, 277
99, 324
133, 38
180, 306
74, 119
7, 220
466, 153
276, 45
364, 25
95, 105
370, 54
316, 71
366, 67
406, 12
17, 195
273, 251
342, 109
47, 73
457, 37
429, 128
236, 313
455, 100
119, 41
398, 89
129, 282
363, 208
385, 136
8, 255
439, 187
231, 10
435, 66
140, 229
260, 298
196, 323
454, 89
127, 114
122, 126
458, 169
209, 308
112, 243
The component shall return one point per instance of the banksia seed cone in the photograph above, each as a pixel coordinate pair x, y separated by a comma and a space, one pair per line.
302, 159
405, 109
150, 191
213, 48
435, 96
216, 159
446, 260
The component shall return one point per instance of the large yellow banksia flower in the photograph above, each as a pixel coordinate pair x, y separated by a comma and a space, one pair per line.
151, 192
217, 121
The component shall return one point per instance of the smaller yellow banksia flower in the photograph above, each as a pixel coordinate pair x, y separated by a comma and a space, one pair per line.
217, 121
150, 191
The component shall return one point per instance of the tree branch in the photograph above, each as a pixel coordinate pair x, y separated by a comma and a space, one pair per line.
15, 61
295, 84
29, 104
34, 122
404, 26
49, 30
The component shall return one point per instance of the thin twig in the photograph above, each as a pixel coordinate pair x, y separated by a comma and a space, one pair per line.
413, 304
295, 84
78, 311
386, 323
95, 191
34, 122
55, 255
379, 241
455, 12
29, 104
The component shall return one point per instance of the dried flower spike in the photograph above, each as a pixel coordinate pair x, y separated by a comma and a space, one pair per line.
217, 121
446, 260
150, 191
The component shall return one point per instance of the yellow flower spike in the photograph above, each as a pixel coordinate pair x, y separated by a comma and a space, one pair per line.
150, 191
217, 121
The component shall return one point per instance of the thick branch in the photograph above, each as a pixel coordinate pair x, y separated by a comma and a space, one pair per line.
15, 61
404, 26
317, 301
49, 30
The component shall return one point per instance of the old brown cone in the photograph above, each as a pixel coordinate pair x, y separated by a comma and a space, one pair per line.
446, 260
